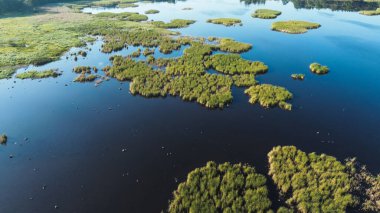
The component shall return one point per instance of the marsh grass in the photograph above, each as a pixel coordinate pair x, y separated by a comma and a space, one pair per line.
225, 21
294, 27
370, 12
6, 72
152, 11
175, 23
266, 14
268, 95
39, 74
83, 77
319, 69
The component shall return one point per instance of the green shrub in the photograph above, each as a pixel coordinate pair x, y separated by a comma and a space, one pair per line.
298, 76
266, 14
85, 78
233, 64
319, 69
225, 21
222, 188
294, 27
232, 46
310, 182
136, 54
38, 75
269, 96
244, 80
82, 69
175, 23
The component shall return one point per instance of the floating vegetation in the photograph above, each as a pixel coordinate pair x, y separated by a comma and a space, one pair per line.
225, 21
176, 23
38, 75
222, 188
232, 46
82, 69
3, 139
319, 69
310, 182
244, 80
266, 14
152, 11
136, 54
294, 27
370, 12
298, 76
148, 51
268, 95
233, 64
6, 73
85, 78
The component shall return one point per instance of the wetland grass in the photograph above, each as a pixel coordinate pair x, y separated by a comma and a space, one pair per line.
152, 11
225, 21
175, 23
294, 27
266, 14
83, 77
39, 74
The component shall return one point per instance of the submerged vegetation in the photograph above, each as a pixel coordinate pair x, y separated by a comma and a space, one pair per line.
3, 139
268, 95
222, 188
294, 27
176, 23
39, 74
266, 14
225, 21
319, 69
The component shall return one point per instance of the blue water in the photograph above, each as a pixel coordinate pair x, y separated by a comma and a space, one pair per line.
67, 138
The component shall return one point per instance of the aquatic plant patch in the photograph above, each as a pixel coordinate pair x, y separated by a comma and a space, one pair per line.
39, 74
225, 21
175, 23
266, 14
233, 64
294, 27
268, 95
298, 76
319, 69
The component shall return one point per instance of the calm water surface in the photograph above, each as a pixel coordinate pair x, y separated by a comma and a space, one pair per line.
68, 141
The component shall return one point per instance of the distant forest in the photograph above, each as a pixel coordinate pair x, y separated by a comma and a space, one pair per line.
22, 5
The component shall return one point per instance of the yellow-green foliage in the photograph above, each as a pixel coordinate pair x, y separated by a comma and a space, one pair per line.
370, 12
82, 69
269, 96
136, 54
310, 182
7, 72
175, 23
319, 69
152, 11
294, 27
233, 64
85, 78
148, 51
222, 188
298, 76
127, 5
225, 21
232, 46
38, 75
266, 14
244, 80
3, 139
109, 15
126, 68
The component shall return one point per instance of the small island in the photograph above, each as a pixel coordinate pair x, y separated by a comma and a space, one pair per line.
268, 95
225, 21
175, 23
319, 69
3, 139
294, 27
298, 76
152, 11
266, 14
38, 74
370, 12
234, 64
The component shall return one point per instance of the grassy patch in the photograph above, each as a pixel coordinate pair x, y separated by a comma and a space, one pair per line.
294, 27
266, 14
225, 21
269, 96
127, 5
82, 69
229, 188
319, 69
152, 11
233, 64
7, 72
3, 139
310, 182
176, 23
232, 46
298, 76
85, 78
38, 75
370, 12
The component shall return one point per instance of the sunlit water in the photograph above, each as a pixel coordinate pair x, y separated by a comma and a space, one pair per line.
100, 149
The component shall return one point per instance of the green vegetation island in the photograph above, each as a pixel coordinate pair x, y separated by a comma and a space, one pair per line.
38, 75
306, 183
225, 21
298, 76
152, 11
3, 139
266, 14
370, 12
294, 27
319, 69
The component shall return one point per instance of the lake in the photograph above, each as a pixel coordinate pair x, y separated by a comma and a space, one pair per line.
100, 149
